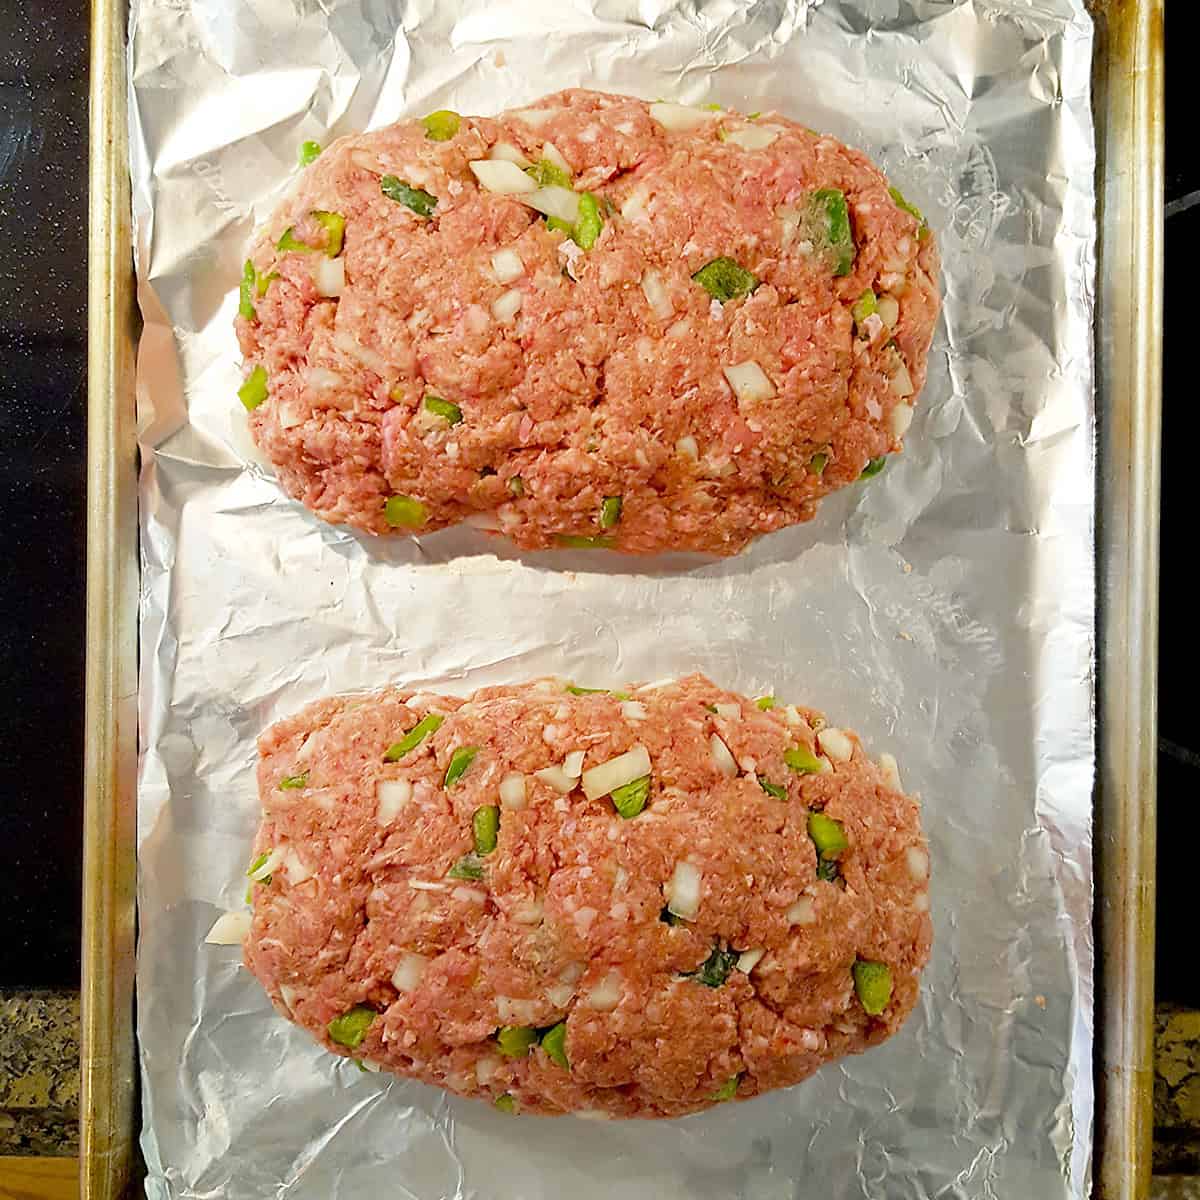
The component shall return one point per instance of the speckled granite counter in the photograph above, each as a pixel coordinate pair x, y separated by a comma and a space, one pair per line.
1177, 1091
39, 1072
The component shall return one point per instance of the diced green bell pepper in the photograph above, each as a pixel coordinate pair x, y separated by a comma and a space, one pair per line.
629, 799
254, 389
442, 125
404, 511
421, 202
460, 760
351, 1027
724, 280
485, 825
429, 723
873, 985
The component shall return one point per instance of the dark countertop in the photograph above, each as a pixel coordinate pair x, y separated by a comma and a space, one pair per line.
1176, 978
43, 292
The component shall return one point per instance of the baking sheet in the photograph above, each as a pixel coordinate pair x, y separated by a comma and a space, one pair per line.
945, 610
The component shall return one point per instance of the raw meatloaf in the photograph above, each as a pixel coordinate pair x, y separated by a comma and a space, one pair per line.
591, 322
615, 904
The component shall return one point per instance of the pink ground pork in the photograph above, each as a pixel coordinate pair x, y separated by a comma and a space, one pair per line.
610, 904
592, 322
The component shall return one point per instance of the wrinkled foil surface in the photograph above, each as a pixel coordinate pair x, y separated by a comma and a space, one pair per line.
944, 610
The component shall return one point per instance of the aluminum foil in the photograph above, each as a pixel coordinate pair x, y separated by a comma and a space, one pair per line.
945, 610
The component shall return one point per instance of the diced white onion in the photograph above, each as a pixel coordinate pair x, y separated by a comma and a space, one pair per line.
290, 416
836, 744
803, 912
408, 972
534, 116
682, 891
921, 902
789, 218
592, 1114
635, 203
748, 959
902, 385
391, 796
891, 771
505, 307
559, 994
507, 266
731, 712
369, 1064
365, 355
918, 863
655, 684
792, 716
571, 252
901, 419
501, 176
656, 294
620, 879
752, 137
229, 929
722, 759
573, 763
329, 275
368, 162
426, 885
516, 1012
507, 152
606, 995
557, 778
485, 1068
551, 154
479, 520
288, 995
297, 869
468, 895
529, 912
688, 448
633, 710
888, 308
616, 772
679, 117
554, 201
749, 382
512, 791
322, 378
268, 865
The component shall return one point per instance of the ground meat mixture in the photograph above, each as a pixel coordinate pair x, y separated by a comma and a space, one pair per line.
593, 322
621, 904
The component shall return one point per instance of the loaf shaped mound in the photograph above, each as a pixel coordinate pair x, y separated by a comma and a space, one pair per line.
633, 904
593, 322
